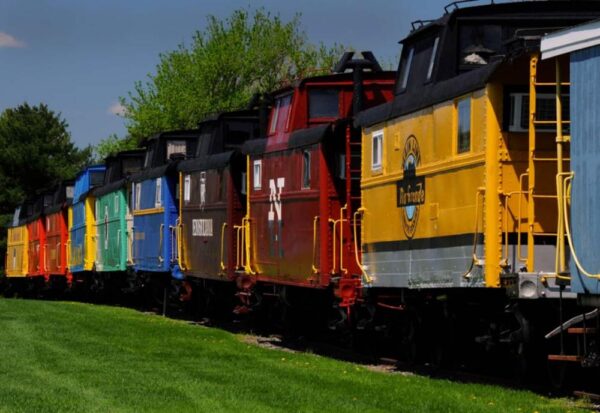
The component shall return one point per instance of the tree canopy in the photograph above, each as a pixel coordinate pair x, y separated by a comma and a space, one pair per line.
36, 152
248, 52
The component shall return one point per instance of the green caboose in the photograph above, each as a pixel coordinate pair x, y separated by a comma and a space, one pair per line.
114, 222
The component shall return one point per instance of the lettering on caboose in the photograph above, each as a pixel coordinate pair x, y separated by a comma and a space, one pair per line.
410, 190
274, 217
202, 227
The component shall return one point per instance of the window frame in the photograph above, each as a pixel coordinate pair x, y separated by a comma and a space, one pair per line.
105, 226
308, 106
257, 183
306, 165
377, 156
458, 101
405, 70
276, 114
174, 142
187, 188
432, 58
158, 193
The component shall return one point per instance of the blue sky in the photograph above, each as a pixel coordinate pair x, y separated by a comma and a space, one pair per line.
79, 56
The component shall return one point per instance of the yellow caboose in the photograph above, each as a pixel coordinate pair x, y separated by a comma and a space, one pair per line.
459, 172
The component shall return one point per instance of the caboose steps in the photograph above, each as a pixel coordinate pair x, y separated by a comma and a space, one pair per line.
564, 357
581, 330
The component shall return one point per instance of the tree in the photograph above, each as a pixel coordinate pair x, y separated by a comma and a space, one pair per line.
113, 145
225, 65
36, 153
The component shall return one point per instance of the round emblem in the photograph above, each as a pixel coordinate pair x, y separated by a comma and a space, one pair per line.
412, 188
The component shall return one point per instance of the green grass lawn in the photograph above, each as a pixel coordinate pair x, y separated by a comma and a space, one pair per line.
62, 356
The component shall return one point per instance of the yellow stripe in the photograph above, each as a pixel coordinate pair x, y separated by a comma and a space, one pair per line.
148, 211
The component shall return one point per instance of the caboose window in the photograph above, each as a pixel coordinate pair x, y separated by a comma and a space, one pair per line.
306, 169
256, 178
376, 150
69, 191
280, 114
138, 195
105, 227
405, 70
187, 188
96, 178
157, 199
175, 147
463, 107
432, 58
323, 103
243, 184
148, 160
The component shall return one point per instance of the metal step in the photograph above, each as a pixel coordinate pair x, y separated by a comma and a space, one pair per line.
564, 357
581, 330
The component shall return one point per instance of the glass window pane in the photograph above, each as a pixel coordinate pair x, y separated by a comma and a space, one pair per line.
432, 58
175, 147
257, 175
280, 114
464, 125
306, 169
157, 201
323, 103
405, 71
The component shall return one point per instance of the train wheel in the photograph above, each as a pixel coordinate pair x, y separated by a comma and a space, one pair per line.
409, 338
558, 374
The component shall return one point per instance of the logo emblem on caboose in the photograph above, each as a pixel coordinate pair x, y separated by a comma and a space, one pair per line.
410, 190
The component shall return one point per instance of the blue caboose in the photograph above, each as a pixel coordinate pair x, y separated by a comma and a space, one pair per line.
582, 45
156, 204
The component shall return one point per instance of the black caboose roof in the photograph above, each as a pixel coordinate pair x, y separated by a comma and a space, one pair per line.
472, 43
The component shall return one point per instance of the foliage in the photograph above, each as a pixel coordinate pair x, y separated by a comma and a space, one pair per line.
225, 65
59, 357
36, 152
113, 145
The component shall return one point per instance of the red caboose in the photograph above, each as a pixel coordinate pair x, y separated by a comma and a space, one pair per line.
36, 231
57, 234
304, 183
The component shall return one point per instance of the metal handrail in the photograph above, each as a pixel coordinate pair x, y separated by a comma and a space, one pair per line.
367, 278
223, 266
520, 257
342, 269
315, 269
160, 243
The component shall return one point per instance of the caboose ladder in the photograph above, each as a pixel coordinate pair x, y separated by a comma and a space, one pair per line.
538, 201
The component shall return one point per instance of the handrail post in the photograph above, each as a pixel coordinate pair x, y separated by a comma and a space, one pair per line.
223, 267
315, 269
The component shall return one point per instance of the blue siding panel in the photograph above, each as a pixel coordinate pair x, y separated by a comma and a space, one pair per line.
585, 162
150, 254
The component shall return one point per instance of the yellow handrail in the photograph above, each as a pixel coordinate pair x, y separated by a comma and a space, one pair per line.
522, 192
366, 277
246, 231
69, 252
315, 270
223, 267
342, 269
506, 245
334, 222
567, 189
474, 258
238, 247
180, 245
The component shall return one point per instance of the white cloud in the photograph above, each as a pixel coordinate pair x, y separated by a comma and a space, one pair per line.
6, 40
116, 109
